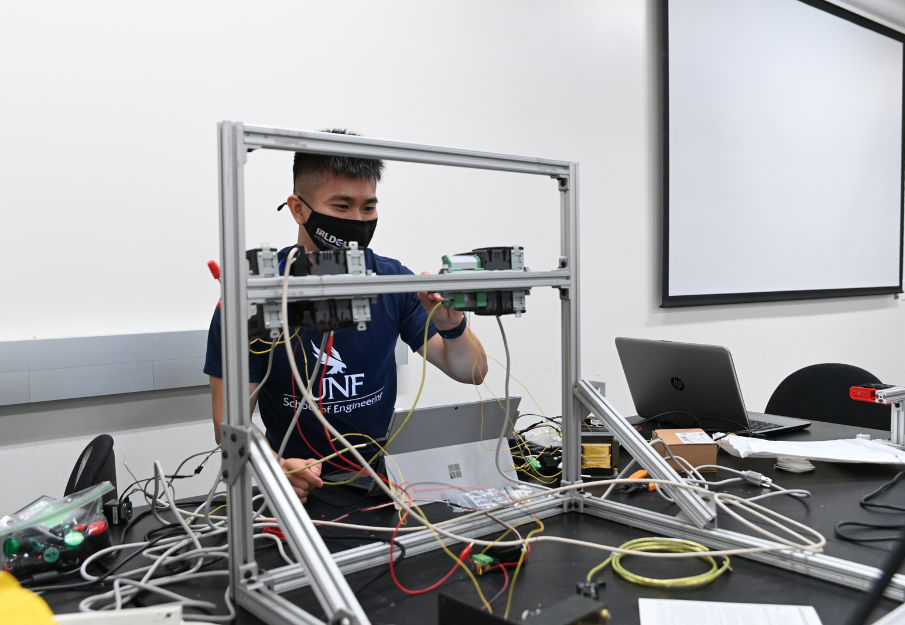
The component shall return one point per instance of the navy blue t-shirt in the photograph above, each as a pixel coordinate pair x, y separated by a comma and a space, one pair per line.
359, 387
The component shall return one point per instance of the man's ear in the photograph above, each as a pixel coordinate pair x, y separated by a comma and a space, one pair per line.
298, 209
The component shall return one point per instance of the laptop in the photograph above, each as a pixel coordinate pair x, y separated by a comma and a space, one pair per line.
453, 445
443, 449
685, 385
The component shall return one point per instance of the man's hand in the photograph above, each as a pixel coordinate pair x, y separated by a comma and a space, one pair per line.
444, 319
302, 482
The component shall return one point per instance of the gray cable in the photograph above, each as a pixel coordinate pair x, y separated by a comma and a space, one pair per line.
321, 358
499, 443
266, 375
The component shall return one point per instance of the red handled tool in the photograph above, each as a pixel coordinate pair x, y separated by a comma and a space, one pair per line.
215, 271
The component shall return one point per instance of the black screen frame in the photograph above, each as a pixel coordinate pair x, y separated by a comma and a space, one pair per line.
677, 301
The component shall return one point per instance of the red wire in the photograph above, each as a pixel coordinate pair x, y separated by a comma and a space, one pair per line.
462, 558
326, 356
298, 424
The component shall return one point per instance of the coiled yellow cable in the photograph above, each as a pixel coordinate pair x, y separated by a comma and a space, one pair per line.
672, 545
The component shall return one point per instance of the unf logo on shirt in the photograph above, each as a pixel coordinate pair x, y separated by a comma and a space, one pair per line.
339, 392
333, 361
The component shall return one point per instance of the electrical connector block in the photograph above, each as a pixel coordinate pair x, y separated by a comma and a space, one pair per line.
482, 562
491, 303
264, 320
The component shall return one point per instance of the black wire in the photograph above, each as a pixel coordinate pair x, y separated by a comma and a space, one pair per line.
871, 526
866, 503
135, 519
396, 562
872, 597
743, 428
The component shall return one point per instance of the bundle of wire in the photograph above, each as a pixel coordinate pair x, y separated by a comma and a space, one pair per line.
185, 547
725, 501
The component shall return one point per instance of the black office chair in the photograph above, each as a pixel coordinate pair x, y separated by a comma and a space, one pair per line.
821, 393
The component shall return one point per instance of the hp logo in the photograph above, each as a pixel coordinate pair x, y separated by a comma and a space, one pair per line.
677, 384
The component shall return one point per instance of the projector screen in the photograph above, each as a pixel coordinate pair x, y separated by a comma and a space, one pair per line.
783, 152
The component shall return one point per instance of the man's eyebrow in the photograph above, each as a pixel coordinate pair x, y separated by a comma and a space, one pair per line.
349, 199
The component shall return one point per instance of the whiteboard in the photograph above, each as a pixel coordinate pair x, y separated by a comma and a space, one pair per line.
783, 152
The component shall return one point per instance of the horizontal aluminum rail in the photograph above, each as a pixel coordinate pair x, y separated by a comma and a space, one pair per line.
262, 290
367, 147
288, 578
818, 565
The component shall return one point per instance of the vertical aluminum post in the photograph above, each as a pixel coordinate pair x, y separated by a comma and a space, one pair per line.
234, 320
571, 352
897, 427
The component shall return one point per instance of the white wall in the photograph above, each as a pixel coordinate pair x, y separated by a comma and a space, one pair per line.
110, 171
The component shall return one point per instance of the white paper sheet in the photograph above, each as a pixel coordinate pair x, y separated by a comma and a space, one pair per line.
847, 450
674, 612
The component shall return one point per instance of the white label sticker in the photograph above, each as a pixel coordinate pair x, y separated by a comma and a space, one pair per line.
691, 438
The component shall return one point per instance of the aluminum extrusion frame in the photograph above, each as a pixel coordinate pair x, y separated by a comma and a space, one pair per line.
820, 566
692, 504
235, 141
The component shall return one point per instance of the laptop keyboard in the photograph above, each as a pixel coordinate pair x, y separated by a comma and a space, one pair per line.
757, 426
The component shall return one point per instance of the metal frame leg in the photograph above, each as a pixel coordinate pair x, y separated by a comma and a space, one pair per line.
245, 448
694, 506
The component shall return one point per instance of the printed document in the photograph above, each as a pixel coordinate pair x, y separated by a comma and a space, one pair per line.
674, 612
846, 450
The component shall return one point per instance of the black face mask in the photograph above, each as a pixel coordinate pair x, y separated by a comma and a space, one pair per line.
334, 233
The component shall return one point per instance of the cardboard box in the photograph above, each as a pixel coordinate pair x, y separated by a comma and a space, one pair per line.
694, 445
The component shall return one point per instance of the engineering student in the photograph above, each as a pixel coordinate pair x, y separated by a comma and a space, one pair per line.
334, 201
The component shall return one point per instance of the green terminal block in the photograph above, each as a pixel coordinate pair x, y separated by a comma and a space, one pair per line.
490, 303
482, 562
51, 555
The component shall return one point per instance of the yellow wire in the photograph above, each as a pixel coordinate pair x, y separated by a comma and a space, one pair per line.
278, 342
518, 566
190, 519
325, 458
474, 383
411, 410
509, 531
671, 545
456, 558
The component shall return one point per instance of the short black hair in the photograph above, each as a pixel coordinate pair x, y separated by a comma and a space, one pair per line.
306, 164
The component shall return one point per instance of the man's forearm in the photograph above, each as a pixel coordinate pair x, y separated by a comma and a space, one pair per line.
465, 358
217, 403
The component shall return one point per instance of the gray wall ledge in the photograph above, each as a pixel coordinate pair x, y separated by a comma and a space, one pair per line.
70, 368
93, 366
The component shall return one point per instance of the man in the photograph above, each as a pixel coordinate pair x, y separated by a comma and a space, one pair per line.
334, 201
